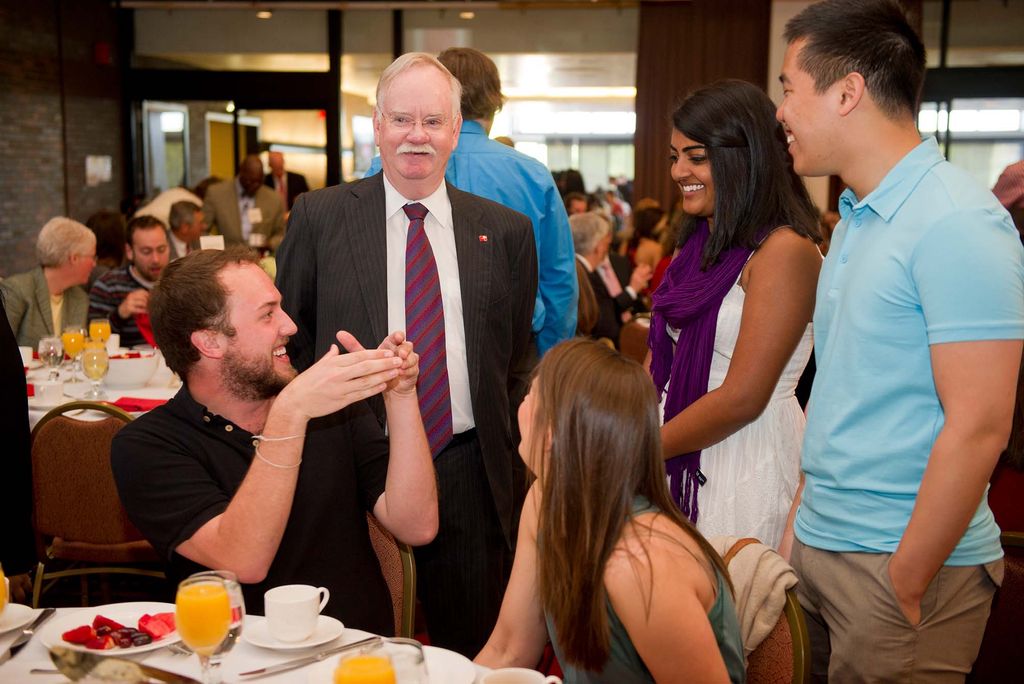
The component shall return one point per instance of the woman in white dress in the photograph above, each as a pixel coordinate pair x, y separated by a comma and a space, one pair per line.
730, 332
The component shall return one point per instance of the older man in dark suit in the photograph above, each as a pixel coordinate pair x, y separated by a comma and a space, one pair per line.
287, 184
401, 250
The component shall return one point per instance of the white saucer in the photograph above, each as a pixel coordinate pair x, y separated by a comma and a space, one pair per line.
257, 633
15, 615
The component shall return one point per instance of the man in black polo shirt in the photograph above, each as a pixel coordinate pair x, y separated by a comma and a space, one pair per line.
254, 469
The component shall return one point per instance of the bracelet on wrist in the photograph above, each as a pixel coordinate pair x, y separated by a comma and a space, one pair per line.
266, 460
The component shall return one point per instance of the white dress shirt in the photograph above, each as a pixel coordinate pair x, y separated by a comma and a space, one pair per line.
441, 233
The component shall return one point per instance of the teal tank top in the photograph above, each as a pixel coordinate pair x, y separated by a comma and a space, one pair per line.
624, 665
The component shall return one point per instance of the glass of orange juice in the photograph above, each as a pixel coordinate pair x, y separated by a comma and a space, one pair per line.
99, 329
203, 618
365, 668
73, 339
3, 590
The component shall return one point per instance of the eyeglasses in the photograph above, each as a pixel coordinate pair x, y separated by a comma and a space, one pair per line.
404, 122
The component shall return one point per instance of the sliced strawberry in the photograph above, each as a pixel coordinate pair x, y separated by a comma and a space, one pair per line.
155, 625
100, 621
79, 635
101, 643
166, 618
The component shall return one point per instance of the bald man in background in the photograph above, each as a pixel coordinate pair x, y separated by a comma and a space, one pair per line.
244, 207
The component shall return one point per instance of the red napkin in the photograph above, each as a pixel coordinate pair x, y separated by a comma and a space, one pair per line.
137, 404
31, 389
142, 320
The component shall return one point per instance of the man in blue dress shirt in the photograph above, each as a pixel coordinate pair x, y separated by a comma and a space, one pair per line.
487, 168
918, 325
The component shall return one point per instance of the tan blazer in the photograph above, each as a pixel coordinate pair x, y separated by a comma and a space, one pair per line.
221, 213
27, 300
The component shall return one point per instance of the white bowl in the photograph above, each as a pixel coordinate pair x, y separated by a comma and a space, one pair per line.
131, 373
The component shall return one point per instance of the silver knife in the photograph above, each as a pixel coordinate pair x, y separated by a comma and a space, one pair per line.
27, 633
308, 660
76, 665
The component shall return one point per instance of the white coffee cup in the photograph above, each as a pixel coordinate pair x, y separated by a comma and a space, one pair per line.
26, 355
293, 609
518, 675
49, 392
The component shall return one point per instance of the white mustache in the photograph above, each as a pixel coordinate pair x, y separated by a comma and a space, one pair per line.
409, 148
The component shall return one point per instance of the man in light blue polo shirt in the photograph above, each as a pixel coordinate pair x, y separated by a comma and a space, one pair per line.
918, 325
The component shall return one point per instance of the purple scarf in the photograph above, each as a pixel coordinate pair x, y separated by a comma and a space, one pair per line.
688, 299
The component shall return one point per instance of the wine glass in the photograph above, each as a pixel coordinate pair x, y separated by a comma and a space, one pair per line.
99, 330
74, 341
203, 617
51, 353
3, 590
237, 612
365, 668
94, 365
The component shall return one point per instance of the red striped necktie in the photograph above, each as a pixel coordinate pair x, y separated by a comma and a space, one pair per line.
424, 327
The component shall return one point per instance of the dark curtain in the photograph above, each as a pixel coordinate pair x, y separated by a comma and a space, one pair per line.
682, 46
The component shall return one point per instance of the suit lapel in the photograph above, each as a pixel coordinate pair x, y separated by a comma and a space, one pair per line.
474, 256
367, 234
43, 301
233, 218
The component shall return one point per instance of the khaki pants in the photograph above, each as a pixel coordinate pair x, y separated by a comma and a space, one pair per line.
859, 634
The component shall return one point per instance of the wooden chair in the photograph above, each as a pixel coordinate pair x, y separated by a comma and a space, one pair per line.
80, 524
399, 568
633, 338
784, 655
999, 656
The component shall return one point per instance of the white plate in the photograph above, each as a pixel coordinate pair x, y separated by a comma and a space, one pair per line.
15, 615
257, 633
443, 667
33, 364
127, 614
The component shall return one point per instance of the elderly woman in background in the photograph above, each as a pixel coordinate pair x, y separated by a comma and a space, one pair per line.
41, 302
616, 288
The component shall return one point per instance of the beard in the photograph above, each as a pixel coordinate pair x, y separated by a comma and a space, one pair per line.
253, 379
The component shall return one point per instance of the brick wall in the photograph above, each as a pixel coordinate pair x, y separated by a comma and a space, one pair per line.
35, 163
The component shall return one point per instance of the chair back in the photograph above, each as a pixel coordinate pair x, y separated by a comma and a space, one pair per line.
783, 656
74, 495
399, 569
999, 656
633, 338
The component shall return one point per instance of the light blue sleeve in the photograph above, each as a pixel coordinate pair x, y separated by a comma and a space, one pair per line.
969, 274
374, 167
557, 273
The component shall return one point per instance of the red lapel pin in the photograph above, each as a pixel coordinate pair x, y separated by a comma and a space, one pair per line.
481, 238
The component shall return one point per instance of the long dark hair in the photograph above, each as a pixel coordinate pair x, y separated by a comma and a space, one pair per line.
601, 412
755, 185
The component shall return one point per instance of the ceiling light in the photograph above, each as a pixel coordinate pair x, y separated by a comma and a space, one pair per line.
467, 15
264, 14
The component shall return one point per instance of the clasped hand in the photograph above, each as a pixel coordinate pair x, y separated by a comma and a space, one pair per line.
337, 379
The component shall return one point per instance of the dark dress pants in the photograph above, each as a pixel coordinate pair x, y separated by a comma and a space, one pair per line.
461, 575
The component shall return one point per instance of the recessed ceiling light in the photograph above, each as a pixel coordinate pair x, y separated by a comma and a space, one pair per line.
467, 15
264, 14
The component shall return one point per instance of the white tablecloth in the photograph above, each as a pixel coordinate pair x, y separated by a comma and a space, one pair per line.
242, 658
163, 385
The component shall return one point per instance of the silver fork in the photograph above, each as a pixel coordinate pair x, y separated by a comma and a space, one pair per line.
179, 649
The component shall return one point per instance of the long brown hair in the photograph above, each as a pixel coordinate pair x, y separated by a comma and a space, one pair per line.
601, 412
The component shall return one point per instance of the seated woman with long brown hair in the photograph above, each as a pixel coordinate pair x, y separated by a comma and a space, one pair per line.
606, 565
